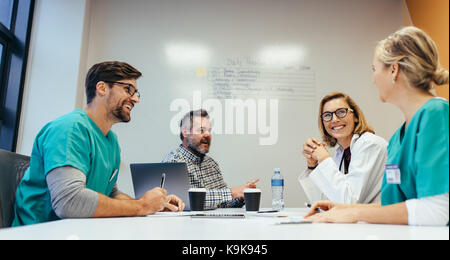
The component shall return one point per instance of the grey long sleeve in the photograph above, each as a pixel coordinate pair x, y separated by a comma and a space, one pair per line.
69, 195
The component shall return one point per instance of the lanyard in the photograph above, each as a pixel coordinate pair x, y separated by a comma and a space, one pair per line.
342, 160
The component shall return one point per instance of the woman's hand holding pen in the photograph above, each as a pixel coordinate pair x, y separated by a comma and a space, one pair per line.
319, 207
328, 211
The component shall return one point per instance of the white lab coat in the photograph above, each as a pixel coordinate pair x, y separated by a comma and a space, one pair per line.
362, 183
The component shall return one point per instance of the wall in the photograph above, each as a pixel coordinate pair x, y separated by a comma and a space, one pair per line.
432, 16
53, 81
176, 44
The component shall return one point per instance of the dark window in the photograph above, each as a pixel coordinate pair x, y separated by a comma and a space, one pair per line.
2, 54
6, 8
15, 28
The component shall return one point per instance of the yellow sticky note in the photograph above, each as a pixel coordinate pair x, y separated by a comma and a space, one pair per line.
200, 72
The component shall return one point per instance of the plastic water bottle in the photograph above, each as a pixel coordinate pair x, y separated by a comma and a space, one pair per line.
277, 190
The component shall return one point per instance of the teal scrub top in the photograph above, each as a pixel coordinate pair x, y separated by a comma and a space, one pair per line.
71, 140
421, 154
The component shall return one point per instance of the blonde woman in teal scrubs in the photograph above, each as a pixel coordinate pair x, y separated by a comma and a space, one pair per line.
415, 184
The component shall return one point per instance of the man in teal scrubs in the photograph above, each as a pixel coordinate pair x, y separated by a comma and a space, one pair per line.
76, 158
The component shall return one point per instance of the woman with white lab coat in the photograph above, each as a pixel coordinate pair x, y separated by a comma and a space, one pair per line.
356, 172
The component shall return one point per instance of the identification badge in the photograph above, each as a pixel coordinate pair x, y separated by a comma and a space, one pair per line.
393, 175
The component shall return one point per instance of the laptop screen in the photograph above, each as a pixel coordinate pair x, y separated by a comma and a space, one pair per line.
147, 176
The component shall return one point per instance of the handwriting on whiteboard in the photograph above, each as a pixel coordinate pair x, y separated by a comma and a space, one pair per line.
289, 83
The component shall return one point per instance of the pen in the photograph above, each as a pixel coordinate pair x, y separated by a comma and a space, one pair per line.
113, 174
163, 180
294, 222
268, 211
309, 206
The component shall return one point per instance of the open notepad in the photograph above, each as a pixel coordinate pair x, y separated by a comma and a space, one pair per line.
200, 214
282, 217
218, 215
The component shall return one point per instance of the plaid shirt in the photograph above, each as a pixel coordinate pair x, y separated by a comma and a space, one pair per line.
205, 173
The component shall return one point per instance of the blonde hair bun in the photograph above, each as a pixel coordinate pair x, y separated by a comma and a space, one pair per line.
440, 77
417, 57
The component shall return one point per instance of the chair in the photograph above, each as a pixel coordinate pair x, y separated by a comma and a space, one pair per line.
12, 169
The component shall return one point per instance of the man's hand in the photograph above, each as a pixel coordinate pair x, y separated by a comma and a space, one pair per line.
153, 201
238, 192
174, 204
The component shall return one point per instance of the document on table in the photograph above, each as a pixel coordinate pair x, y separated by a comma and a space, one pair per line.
279, 214
277, 218
280, 217
171, 214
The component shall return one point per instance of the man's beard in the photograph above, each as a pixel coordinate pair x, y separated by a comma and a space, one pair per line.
120, 114
196, 146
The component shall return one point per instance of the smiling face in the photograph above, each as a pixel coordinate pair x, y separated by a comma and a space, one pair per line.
340, 128
119, 101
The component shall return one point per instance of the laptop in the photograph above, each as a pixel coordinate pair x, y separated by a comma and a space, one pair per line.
146, 176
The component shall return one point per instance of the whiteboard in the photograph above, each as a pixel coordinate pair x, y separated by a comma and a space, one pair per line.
260, 67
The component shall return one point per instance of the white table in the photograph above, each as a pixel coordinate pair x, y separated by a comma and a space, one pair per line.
160, 227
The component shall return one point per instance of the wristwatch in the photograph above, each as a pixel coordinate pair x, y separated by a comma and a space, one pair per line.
311, 168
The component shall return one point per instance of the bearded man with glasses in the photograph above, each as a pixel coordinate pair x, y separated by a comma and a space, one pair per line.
356, 172
76, 158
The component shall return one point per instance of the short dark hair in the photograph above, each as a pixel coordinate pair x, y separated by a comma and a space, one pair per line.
108, 71
190, 115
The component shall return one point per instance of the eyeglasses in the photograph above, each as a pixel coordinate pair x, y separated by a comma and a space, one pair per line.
202, 130
340, 113
128, 87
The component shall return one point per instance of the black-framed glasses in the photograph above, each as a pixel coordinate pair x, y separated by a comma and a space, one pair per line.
340, 113
128, 87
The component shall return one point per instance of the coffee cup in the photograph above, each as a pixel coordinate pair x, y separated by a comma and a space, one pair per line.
197, 198
252, 199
